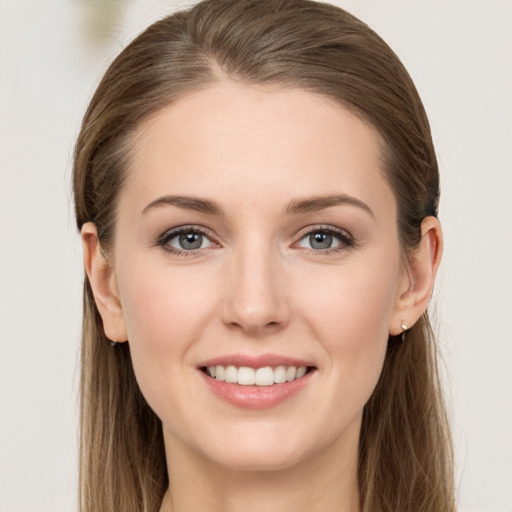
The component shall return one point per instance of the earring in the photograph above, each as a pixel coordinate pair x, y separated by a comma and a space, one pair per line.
114, 343
403, 325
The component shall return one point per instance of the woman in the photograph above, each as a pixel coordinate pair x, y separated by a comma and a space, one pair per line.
257, 189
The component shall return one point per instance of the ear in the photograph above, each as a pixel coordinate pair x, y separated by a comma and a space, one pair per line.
103, 283
419, 275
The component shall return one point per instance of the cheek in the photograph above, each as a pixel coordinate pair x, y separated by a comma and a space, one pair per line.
352, 323
163, 308
165, 314
352, 306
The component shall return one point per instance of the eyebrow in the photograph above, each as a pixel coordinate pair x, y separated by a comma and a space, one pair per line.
316, 203
186, 202
295, 207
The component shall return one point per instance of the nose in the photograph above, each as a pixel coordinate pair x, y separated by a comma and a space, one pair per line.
256, 300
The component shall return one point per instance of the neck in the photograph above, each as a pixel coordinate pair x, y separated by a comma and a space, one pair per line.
325, 482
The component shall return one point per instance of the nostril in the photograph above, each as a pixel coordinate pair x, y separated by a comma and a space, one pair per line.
254, 326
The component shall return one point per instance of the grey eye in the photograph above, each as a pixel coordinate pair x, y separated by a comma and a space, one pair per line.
324, 240
189, 241
320, 240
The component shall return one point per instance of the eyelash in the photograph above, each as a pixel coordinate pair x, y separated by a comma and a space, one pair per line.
346, 240
164, 239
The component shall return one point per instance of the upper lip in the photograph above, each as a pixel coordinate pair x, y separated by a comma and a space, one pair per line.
255, 361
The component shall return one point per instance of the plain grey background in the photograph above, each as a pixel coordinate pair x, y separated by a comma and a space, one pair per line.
52, 54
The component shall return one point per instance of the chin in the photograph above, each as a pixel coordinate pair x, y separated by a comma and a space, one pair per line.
261, 461
258, 452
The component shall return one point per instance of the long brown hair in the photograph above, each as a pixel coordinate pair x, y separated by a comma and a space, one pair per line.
405, 461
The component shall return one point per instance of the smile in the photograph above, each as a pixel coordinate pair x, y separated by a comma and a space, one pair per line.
264, 376
257, 382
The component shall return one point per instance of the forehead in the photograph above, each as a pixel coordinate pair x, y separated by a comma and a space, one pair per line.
257, 142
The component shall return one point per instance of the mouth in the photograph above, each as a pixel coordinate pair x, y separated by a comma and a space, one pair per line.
262, 377
257, 382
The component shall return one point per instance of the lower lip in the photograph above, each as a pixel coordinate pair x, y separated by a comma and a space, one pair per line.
256, 397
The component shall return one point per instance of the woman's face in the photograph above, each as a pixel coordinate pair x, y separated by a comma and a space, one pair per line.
256, 231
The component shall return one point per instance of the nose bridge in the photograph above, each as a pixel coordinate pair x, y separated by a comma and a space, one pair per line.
256, 299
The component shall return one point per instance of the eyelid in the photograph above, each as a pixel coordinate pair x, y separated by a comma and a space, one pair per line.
345, 237
163, 239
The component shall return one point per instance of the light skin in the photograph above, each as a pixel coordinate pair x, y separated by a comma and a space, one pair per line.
299, 256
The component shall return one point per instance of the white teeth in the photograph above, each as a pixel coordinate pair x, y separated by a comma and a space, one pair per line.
291, 373
219, 372
231, 374
265, 376
246, 376
280, 375
301, 372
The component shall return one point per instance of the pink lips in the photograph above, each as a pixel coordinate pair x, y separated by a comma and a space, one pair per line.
255, 361
255, 397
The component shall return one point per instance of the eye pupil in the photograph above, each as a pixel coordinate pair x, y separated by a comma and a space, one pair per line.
320, 240
190, 241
